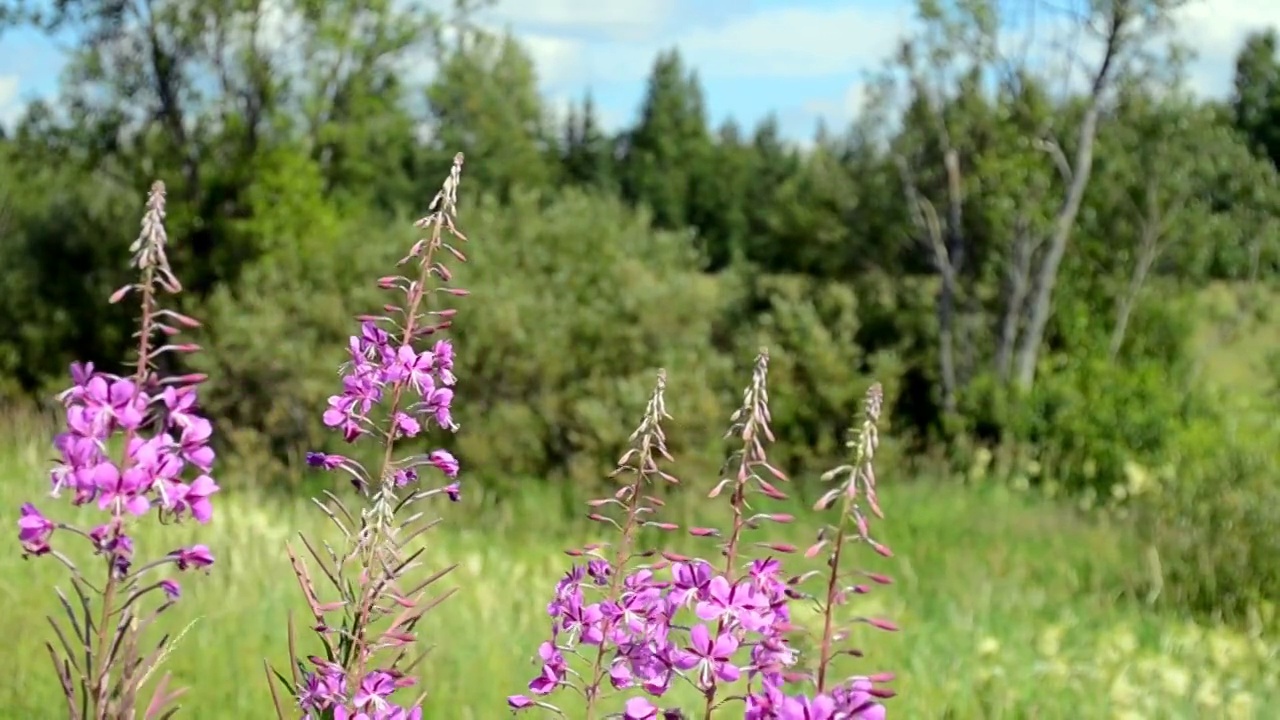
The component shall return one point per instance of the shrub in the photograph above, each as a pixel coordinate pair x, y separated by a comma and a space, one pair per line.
1209, 520
554, 368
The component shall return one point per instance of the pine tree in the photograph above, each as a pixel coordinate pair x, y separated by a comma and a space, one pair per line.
670, 147
588, 152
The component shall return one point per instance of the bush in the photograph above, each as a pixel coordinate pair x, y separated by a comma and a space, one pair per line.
581, 301
1211, 523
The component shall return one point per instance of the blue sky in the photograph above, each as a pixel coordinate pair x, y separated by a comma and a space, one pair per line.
803, 59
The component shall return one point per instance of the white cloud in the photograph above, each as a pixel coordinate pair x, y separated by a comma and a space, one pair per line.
578, 44
627, 20
796, 41
1216, 29
554, 57
787, 42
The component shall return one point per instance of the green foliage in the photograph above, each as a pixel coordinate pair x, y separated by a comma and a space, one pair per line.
816, 367
485, 103
276, 337
587, 156
1257, 93
580, 302
667, 153
1210, 521
62, 242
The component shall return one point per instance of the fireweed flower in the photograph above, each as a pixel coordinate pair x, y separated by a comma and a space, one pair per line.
394, 388
646, 625
162, 465
855, 696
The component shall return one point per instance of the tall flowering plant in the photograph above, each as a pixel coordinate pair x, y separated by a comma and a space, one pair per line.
134, 445
397, 384
633, 622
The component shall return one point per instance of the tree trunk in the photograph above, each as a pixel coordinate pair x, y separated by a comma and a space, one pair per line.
1147, 255
1153, 228
1017, 286
1047, 277
1064, 221
940, 245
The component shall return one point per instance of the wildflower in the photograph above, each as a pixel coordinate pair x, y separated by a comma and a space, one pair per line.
164, 464
391, 391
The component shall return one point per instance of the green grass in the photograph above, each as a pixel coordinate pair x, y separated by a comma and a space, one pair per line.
1009, 608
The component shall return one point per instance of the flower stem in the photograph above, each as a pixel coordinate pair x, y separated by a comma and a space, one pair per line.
371, 561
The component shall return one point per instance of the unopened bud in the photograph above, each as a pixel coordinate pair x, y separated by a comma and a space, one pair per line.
118, 295
881, 624
184, 320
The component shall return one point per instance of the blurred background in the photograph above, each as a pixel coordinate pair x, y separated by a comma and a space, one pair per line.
1051, 229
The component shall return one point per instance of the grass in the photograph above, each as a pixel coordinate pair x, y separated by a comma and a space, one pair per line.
1009, 605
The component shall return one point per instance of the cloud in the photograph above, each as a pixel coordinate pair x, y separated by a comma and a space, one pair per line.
785, 42
1216, 29
625, 20
610, 47
796, 41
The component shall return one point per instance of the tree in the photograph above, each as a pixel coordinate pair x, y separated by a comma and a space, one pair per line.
1160, 167
195, 92
485, 102
667, 154
588, 152
941, 83
1256, 101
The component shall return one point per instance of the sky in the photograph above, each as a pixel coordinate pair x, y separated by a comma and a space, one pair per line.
804, 60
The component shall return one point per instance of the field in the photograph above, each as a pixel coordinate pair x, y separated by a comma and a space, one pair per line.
1011, 606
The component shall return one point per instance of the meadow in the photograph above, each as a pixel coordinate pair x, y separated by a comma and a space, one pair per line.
1062, 299
1011, 606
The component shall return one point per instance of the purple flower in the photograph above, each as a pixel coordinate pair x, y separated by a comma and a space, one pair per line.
709, 657
171, 588
821, 707
194, 441
446, 462
554, 668
443, 361
195, 497
583, 620
739, 602
196, 556
639, 708
375, 688
321, 460
690, 580
125, 448
121, 491
520, 702
34, 530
